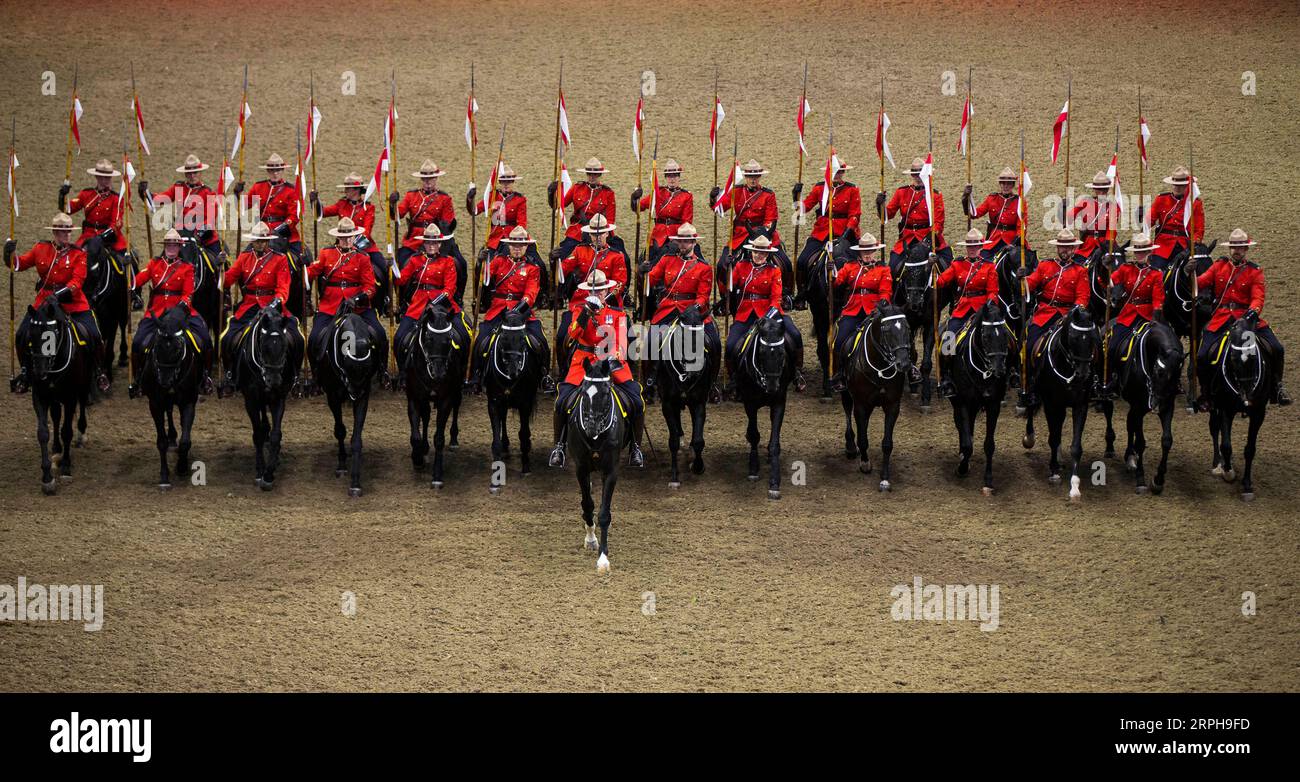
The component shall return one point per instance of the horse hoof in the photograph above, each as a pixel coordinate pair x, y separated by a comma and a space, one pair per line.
164, 487
1131, 463
1020, 411
1054, 479
48, 488
1142, 490
1075, 494
81, 441
602, 565
697, 466
1157, 488
1229, 476
339, 473
1217, 471
753, 476
774, 494
590, 542
494, 490
437, 484
266, 485
66, 477
864, 468
963, 469
987, 491
925, 408
1248, 496
1027, 441
354, 491
674, 484
1109, 454
454, 446
885, 486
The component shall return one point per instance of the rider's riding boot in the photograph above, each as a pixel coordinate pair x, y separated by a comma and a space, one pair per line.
227, 387
19, 384
1280, 396
206, 386
729, 388
635, 457
1110, 390
799, 383
557, 453
946, 389
837, 381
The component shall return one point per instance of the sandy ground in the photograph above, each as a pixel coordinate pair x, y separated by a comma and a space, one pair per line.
224, 587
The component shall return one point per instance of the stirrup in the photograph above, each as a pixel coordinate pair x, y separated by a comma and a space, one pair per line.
103, 383
557, 456
715, 394
636, 458
18, 383
1280, 397
837, 382
548, 384
799, 383
133, 391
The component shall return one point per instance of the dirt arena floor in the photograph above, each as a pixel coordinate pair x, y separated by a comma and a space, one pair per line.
225, 587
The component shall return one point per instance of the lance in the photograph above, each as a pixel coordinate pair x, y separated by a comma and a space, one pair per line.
731, 230
315, 223
305, 286
1141, 211
881, 155
67, 171
243, 142
1193, 339
124, 204
970, 137
13, 195
934, 263
473, 163
644, 299
556, 268
636, 243
396, 224
223, 293
714, 131
1024, 285
1069, 131
803, 101
139, 148
478, 276
829, 248
1112, 229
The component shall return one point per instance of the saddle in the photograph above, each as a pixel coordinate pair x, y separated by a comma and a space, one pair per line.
1126, 349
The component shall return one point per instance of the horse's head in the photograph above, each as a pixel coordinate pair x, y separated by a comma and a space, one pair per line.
993, 337
511, 349
1165, 356
436, 338
354, 356
268, 347
49, 340
170, 352
1243, 363
1117, 256
916, 278
684, 348
1081, 342
767, 362
895, 336
595, 408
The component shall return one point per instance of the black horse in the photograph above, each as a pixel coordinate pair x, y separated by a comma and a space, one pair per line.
877, 358
685, 373
350, 362
1179, 300
208, 265
106, 287
267, 359
170, 378
1241, 380
765, 364
435, 374
1007, 259
1147, 365
596, 433
914, 293
820, 275
62, 371
1065, 361
979, 374
513, 369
